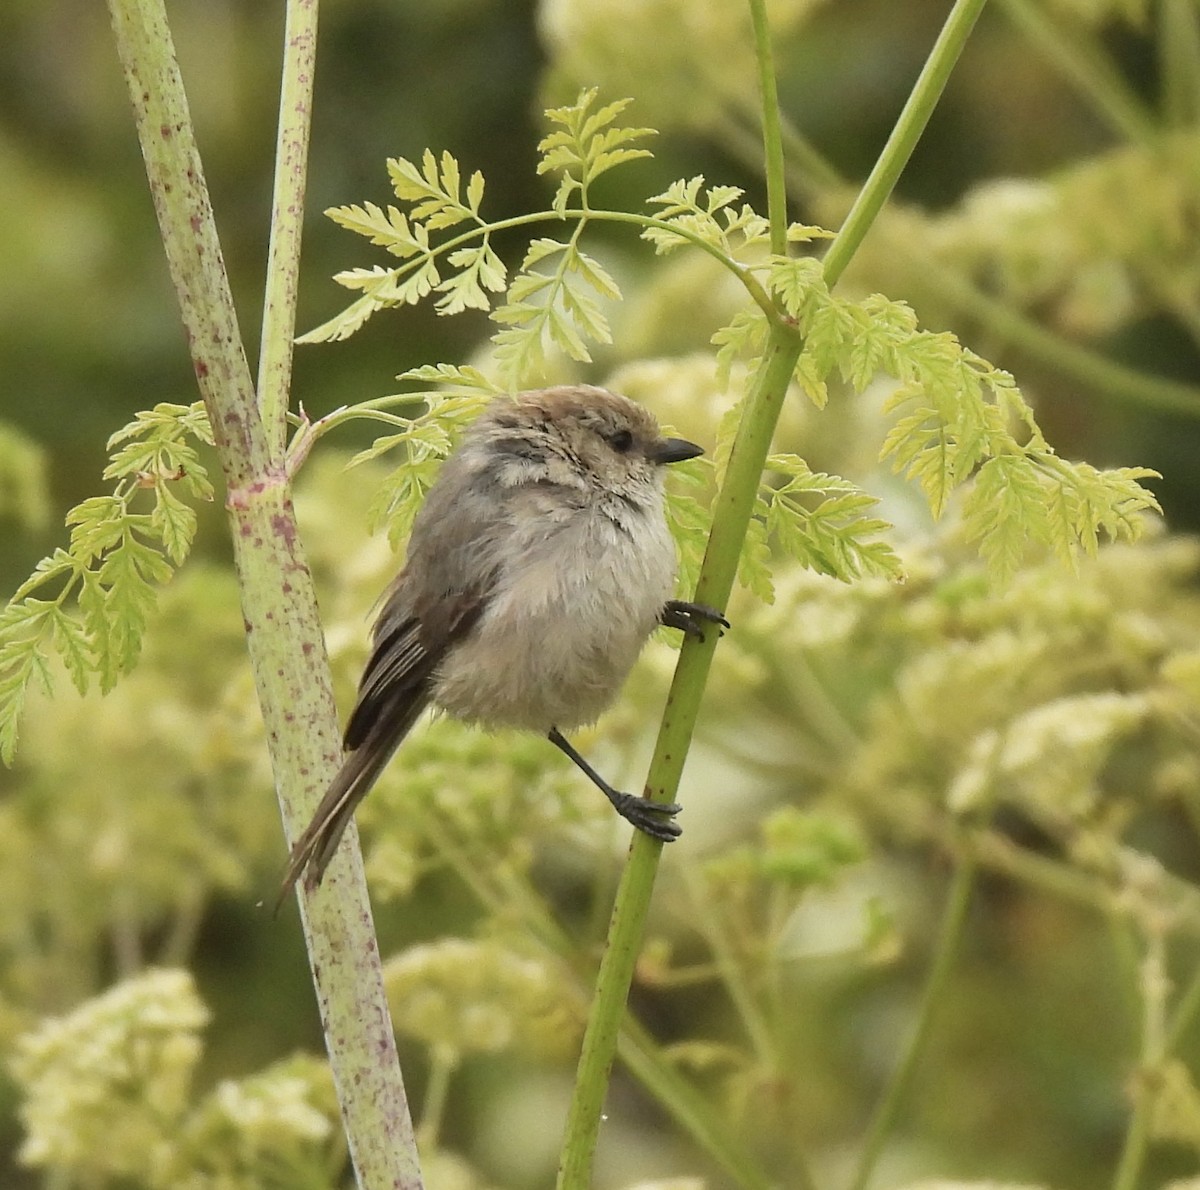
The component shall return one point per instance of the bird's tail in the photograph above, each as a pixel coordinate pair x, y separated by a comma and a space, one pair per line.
360, 769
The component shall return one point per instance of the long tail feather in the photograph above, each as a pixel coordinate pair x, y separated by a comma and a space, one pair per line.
314, 848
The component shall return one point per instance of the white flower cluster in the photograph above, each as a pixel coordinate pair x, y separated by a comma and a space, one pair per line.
465, 996
108, 1096
105, 1085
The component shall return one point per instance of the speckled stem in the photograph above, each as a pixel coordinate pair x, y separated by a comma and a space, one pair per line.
283, 632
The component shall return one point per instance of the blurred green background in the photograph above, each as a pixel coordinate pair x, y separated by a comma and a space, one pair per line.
1026, 1077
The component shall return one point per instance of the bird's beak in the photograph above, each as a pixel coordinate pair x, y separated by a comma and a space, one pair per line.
673, 450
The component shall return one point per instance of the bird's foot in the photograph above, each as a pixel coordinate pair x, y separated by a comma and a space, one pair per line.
690, 618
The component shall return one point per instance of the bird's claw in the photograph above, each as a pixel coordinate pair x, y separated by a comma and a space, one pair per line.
651, 818
690, 618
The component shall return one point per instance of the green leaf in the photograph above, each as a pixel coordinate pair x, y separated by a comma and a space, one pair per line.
558, 308
689, 519
744, 338
481, 269
460, 376
1005, 512
99, 523
435, 190
71, 642
388, 229
343, 325
754, 566
398, 498
586, 145
56, 565
821, 521
803, 233
25, 628
706, 216
174, 522
129, 573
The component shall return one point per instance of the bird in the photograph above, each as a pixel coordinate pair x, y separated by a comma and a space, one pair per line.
537, 567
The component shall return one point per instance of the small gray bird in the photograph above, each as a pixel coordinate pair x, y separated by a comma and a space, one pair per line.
537, 567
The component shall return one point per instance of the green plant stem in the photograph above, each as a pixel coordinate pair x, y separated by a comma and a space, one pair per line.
711, 926
287, 650
1153, 1053
1075, 54
909, 127
644, 1059
1185, 1013
1179, 54
1103, 376
287, 219
442, 1065
771, 134
693, 1112
731, 515
945, 952
733, 508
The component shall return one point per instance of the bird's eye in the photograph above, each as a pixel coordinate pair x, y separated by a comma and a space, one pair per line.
621, 441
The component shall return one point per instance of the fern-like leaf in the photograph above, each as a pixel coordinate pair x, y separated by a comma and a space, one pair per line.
552, 309
435, 190
822, 521
1006, 510
586, 144
117, 558
709, 216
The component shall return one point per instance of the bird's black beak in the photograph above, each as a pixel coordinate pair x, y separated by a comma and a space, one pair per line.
673, 450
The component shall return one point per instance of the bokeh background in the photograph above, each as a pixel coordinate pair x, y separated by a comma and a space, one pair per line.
1027, 1076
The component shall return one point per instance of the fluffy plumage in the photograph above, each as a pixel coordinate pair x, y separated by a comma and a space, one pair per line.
538, 565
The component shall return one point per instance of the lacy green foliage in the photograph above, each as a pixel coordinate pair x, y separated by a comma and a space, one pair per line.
554, 304
956, 417
23, 496
586, 144
461, 996
710, 217
123, 547
821, 521
107, 1098
960, 416
424, 441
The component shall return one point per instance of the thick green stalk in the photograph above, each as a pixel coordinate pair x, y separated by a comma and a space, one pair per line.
1105, 377
287, 219
925, 94
731, 515
734, 506
286, 646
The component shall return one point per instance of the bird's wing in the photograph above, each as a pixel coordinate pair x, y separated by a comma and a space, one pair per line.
407, 650
392, 694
